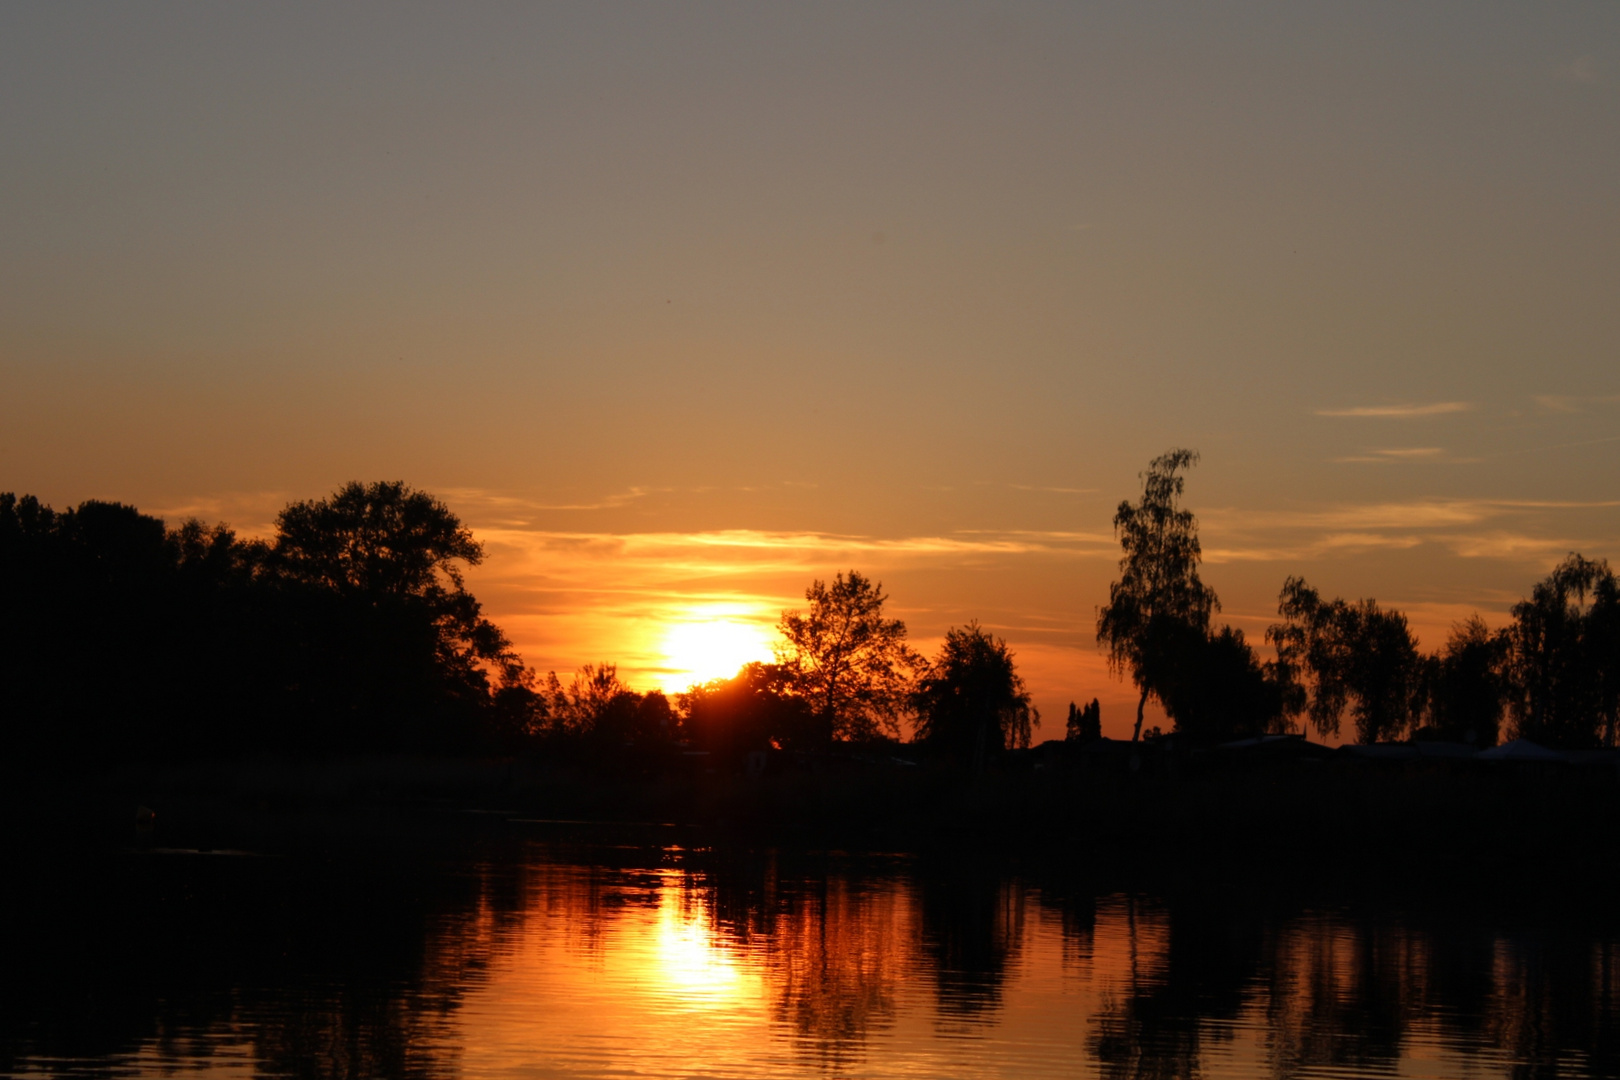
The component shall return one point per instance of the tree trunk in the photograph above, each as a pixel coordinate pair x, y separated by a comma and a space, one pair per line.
1136, 736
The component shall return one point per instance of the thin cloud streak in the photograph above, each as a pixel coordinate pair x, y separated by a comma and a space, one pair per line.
249, 514
1418, 513
1572, 403
1279, 536
1405, 454
637, 560
1401, 412
1054, 490
721, 551
514, 503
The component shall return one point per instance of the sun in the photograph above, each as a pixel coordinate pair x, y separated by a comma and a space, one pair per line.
713, 643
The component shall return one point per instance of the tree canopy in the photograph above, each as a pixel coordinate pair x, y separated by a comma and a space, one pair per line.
377, 573
1356, 658
1216, 689
971, 700
1159, 595
376, 540
350, 629
1085, 722
847, 660
757, 709
1466, 685
1564, 656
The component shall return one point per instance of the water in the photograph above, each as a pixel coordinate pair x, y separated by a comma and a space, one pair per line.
522, 955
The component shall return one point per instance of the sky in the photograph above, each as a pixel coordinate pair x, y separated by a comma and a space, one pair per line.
681, 307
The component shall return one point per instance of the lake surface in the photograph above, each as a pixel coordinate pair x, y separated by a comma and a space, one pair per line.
521, 954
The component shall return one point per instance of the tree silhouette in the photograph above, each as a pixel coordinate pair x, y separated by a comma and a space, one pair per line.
398, 639
1159, 594
1216, 689
385, 544
1084, 724
353, 630
971, 700
1356, 657
119, 637
1466, 685
756, 709
376, 540
847, 660
1565, 656
584, 706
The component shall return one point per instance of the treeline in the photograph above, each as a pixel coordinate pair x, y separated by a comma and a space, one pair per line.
1551, 676
351, 630
844, 675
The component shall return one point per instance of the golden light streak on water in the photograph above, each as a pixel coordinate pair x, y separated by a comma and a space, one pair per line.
656, 979
672, 962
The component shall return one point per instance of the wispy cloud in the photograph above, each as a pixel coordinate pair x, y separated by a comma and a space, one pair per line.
1316, 547
1394, 455
731, 552
1572, 403
1558, 403
1469, 528
1401, 412
1507, 544
751, 562
1054, 490
249, 513
519, 504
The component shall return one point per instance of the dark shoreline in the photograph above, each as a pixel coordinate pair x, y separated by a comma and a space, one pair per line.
1405, 822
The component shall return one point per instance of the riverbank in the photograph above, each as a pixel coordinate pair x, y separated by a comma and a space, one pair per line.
1401, 817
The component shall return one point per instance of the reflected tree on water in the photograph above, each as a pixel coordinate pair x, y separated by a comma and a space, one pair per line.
320, 972
972, 931
836, 970
1184, 982
1346, 992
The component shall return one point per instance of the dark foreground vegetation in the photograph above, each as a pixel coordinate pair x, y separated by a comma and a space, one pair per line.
344, 660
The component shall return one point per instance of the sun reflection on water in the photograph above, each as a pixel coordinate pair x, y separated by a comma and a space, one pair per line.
692, 965
677, 962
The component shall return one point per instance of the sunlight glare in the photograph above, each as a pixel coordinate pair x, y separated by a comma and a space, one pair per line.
690, 964
713, 643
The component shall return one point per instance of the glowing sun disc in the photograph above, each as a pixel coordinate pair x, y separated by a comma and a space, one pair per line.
698, 649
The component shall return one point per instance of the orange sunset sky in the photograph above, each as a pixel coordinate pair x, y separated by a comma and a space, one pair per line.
680, 307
